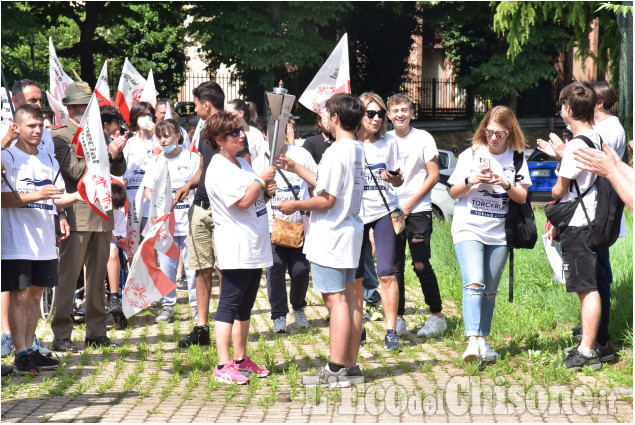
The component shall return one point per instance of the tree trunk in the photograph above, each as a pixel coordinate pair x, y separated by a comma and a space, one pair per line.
87, 34
625, 86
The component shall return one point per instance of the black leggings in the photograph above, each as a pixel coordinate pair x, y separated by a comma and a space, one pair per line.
239, 288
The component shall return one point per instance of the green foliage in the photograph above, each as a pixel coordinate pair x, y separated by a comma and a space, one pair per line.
151, 34
521, 21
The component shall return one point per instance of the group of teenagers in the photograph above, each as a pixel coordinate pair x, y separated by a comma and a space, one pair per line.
352, 179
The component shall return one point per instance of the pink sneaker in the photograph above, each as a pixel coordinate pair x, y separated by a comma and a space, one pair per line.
248, 367
230, 374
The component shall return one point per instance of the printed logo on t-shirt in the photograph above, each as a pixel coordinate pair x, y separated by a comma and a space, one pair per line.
261, 208
376, 169
489, 204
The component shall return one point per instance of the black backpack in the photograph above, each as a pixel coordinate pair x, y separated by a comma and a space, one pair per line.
605, 228
520, 225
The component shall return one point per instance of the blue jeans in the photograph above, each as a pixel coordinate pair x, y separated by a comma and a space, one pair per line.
169, 266
370, 283
483, 265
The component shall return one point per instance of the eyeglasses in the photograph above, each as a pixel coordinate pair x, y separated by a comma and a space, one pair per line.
371, 114
235, 132
499, 134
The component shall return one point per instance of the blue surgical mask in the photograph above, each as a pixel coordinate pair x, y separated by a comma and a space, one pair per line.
168, 149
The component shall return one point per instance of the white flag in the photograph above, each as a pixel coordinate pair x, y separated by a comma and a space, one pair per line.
94, 186
333, 77
130, 89
146, 282
197, 136
149, 91
102, 91
58, 108
6, 109
57, 77
168, 111
161, 197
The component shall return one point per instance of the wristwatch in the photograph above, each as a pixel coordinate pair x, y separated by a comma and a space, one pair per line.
467, 182
61, 213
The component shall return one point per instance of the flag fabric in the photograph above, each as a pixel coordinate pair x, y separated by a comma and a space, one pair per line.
168, 111
95, 185
59, 110
333, 77
197, 135
130, 89
161, 197
57, 77
146, 282
102, 91
149, 91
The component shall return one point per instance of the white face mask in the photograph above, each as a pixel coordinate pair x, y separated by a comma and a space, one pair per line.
142, 121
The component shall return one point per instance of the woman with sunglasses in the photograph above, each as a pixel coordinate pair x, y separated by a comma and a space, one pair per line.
483, 182
381, 174
237, 197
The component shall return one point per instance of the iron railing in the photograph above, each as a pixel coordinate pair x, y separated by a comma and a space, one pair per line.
228, 81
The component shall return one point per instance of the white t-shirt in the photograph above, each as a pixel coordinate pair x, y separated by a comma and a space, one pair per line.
381, 155
334, 238
46, 142
258, 146
241, 236
301, 188
480, 214
119, 215
612, 134
137, 154
569, 169
415, 151
28, 232
182, 168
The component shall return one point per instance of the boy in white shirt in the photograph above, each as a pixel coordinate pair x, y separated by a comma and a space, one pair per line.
418, 161
29, 257
579, 256
334, 239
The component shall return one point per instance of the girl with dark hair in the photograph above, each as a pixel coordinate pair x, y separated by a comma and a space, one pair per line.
255, 144
237, 196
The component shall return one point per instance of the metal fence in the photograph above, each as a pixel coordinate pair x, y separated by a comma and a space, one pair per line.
227, 80
439, 99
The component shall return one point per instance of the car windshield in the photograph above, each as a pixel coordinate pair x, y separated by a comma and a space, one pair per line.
538, 156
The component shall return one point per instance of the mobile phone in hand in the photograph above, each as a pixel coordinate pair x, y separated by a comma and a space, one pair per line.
392, 173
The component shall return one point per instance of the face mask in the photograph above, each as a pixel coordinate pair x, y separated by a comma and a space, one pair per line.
142, 121
168, 149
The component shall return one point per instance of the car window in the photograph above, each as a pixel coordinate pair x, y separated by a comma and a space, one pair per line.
443, 160
538, 156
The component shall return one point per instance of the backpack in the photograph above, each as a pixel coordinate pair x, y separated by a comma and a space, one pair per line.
520, 225
605, 228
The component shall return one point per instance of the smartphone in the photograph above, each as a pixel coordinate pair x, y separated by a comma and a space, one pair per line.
484, 163
393, 173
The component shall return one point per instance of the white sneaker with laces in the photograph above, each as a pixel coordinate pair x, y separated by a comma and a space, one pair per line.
300, 318
472, 353
433, 327
487, 354
39, 346
401, 326
280, 325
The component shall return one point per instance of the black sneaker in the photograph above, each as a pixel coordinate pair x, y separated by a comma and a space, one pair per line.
198, 336
24, 364
99, 341
577, 330
44, 363
606, 353
7, 370
114, 304
576, 360
363, 341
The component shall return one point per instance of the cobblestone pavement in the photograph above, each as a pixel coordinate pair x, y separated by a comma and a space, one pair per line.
148, 379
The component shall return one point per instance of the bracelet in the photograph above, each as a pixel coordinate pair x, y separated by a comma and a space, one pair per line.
261, 182
467, 183
510, 186
59, 213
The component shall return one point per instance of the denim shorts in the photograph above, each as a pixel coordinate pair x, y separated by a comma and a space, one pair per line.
330, 280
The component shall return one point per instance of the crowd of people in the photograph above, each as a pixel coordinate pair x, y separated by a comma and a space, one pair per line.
359, 193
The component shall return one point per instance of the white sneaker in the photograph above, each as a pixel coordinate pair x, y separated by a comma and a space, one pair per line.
280, 325
7, 345
433, 327
487, 354
300, 318
37, 345
472, 353
401, 326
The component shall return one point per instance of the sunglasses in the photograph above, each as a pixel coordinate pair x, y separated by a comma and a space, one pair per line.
371, 114
235, 132
498, 134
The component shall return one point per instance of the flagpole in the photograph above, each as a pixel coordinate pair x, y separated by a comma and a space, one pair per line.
62, 163
6, 87
4, 177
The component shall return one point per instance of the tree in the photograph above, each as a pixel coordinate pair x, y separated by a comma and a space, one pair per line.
86, 33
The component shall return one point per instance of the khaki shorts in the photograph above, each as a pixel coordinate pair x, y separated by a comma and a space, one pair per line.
200, 239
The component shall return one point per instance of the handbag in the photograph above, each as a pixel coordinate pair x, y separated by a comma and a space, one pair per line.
287, 234
396, 215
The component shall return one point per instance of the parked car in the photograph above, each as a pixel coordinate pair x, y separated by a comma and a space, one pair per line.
442, 202
542, 171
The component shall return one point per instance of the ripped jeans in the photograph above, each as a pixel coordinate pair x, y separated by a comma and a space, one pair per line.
481, 265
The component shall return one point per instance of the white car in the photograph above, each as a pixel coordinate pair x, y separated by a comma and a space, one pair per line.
442, 202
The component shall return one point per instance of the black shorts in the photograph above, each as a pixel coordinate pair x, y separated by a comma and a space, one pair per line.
21, 274
578, 259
